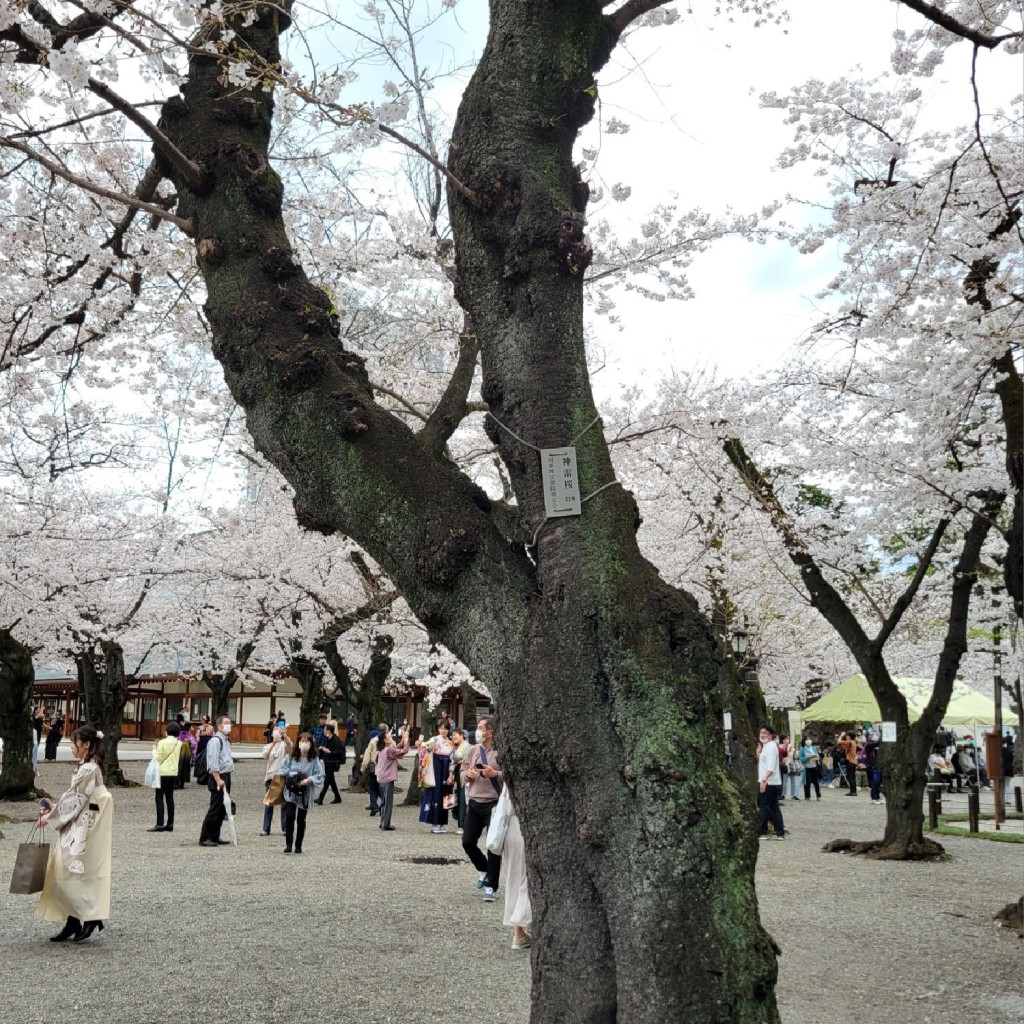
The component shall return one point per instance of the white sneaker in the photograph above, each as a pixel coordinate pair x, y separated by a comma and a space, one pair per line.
480, 881
488, 894
437, 828
458, 831
524, 943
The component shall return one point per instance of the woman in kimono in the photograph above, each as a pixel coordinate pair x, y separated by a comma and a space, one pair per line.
303, 771
77, 886
435, 776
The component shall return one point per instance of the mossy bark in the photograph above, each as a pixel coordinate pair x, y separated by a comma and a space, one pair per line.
17, 676
640, 858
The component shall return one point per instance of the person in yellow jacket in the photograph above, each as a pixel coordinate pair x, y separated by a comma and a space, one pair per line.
166, 752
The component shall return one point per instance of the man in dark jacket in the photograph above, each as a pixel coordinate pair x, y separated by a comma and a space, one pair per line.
332, 750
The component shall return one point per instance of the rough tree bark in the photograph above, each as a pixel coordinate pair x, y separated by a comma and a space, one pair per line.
640, 858
17, 676
903, 763
101, 681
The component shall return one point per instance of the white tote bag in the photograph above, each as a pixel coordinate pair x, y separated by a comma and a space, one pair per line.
499, 823
153, 774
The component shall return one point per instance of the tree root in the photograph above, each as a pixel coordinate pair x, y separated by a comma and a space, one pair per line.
1012, 916
876, 849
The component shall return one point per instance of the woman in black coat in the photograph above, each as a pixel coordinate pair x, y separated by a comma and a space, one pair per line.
332, 751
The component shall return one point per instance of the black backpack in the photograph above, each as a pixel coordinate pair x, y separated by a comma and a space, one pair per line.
202, 773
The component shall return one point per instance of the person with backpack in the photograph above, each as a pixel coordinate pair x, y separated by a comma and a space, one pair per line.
216, 770
484, 780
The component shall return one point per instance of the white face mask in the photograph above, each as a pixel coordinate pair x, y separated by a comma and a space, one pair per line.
227, 728
808, 743
304, 747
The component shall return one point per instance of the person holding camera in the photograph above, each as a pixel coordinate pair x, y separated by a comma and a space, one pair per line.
387, 772
302, 771
279, 747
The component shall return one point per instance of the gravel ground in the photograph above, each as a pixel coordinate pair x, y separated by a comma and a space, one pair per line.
349, 919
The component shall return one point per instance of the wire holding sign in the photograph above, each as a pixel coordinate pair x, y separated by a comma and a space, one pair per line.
561, 485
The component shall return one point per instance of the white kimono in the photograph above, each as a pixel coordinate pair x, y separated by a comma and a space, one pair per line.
78, 874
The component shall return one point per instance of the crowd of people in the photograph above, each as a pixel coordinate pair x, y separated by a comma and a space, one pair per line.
838, 761
459, 773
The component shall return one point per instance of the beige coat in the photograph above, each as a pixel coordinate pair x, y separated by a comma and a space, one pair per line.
78, 874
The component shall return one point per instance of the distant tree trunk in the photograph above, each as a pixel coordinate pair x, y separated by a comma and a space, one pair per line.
102, 683
220, 686
365, 696
314, 696
468, 706
17, 676
903, 762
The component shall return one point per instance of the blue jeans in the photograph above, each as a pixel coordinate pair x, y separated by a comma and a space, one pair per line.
794, 784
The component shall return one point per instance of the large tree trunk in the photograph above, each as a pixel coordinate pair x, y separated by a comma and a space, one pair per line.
638, 847
101, 681
17, 676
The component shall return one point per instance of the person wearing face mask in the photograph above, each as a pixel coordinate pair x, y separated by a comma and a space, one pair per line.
279, 747
810, 758
302, 771
219, 764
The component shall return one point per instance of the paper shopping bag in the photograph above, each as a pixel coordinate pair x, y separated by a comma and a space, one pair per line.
30, 868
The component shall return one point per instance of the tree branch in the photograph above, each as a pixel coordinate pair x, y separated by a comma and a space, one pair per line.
904, 600
950, 24
464, 190
633, 9
823, 595
965, 575
191, 172
97, 190
452, 409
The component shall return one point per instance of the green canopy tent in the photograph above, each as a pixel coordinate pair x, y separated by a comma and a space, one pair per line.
975, 709
853, 701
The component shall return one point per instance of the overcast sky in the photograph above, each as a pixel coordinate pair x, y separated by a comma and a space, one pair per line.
690, 93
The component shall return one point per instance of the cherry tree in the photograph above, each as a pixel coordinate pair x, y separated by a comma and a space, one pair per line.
643, 846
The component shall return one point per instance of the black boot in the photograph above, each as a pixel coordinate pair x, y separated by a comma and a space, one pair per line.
72, 929
87, 929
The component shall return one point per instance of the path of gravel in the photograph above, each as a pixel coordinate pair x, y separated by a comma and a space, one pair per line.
352, 931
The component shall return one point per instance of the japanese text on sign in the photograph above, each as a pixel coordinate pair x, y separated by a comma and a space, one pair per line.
561, 488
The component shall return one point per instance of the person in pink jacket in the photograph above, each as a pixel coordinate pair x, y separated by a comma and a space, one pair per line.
387, 772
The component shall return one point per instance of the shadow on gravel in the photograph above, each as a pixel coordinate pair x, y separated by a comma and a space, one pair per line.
432, 860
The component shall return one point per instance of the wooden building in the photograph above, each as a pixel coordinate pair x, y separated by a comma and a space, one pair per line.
156, 699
